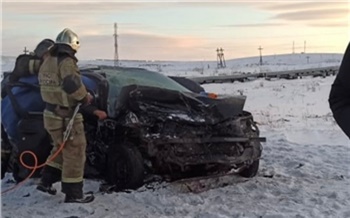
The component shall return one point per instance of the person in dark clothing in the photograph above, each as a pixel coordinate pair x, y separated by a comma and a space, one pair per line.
26, 66
6, 149
339, 97
29, 64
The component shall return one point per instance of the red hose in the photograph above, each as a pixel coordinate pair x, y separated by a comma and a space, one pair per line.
33, 168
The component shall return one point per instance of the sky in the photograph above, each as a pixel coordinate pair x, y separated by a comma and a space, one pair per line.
179, 30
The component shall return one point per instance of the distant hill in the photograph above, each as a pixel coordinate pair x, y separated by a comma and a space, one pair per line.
199, 68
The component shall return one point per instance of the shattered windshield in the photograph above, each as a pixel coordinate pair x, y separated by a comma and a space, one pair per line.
119, 77
138, 76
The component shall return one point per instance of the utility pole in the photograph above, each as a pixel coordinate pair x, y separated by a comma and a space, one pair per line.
116, 56
293, 48
25, 50
304, 47
261, 61
220, 58
223, 64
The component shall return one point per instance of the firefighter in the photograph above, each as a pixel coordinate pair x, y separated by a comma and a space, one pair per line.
339, 98
62, 89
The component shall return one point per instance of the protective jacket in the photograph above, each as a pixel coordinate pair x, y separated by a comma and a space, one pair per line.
60, 79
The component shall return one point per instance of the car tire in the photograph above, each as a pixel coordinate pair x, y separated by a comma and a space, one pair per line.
251, 170
125, 167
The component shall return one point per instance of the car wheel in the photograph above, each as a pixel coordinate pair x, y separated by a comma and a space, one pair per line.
251, 170
125, 167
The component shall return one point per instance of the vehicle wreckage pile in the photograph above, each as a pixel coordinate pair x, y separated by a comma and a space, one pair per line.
157, 125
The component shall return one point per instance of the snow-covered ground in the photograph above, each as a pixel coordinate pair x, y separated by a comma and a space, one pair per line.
304, 171
234, 66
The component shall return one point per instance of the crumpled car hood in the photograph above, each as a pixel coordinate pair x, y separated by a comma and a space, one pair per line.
174, 105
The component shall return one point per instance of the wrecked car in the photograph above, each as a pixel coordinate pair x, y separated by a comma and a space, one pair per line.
156, 125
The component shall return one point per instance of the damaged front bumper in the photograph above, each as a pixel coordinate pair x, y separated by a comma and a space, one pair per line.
201, 151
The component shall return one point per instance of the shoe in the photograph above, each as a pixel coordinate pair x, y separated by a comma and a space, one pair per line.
49, 177
46, 189
74, 193
89, 197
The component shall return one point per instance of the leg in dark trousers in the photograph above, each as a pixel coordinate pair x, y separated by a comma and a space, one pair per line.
50, 176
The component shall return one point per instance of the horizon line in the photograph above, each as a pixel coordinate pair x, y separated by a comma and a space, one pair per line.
246, 57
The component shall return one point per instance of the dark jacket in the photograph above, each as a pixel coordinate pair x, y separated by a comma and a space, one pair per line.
26, 65
339, 97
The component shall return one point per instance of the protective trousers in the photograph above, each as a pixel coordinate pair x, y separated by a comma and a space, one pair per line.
71, 159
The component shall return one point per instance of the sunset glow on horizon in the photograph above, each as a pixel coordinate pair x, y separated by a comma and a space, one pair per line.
180, 30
